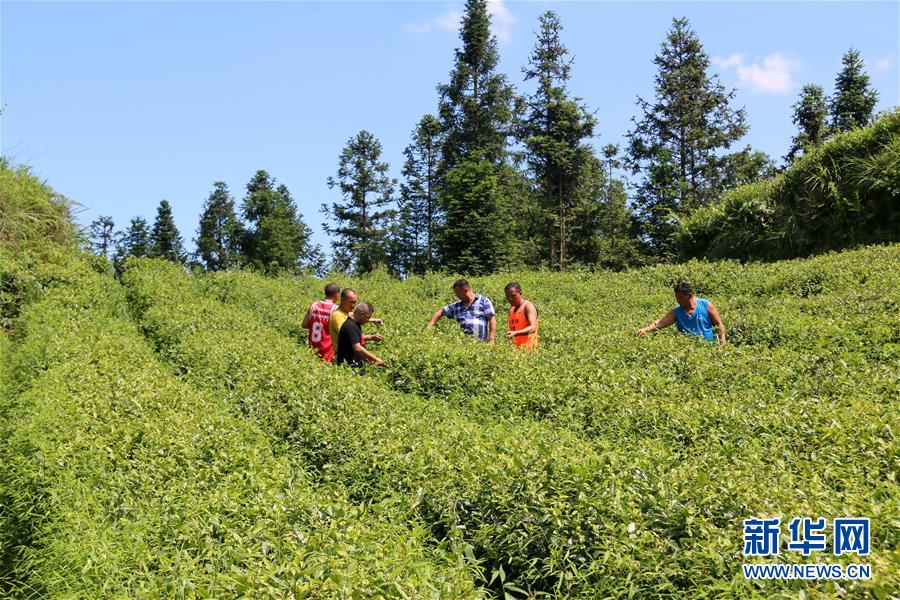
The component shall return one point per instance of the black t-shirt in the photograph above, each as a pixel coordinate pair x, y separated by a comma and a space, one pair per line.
349, 336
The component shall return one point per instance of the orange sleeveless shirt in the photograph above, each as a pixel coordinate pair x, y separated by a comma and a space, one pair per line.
518, 320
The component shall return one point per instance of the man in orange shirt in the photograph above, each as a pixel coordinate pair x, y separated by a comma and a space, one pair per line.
523, 318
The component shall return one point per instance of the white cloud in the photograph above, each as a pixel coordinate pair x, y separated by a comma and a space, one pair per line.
501, 21
417, 28
730, 62
774, 76
450, 20
883, 64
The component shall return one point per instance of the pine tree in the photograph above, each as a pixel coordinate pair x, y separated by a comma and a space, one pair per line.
165, 239
419, 214
277, 239
219, 233
555, 134
361, 221
134, 241
477, 111
477, 107
471, 203
810, 117
102, 235
746, 166
680, 136
853, 101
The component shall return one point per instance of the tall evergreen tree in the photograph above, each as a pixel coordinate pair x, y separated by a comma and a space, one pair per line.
102, 235
277, 239
219, 233
746, 166
555, 134
477, 106
680, 136
810, 117
418, 203
617, 244
477, 112
165, 239
362, 220
471, 241
136, 239
853, 102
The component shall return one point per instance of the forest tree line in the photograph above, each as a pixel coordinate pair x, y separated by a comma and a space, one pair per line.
497, 179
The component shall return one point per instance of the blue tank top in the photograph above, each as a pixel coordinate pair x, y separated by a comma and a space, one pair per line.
697, 324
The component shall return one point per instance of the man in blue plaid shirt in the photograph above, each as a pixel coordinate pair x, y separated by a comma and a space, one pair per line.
474, 312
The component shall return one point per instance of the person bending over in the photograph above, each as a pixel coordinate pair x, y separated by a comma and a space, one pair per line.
350, 339
693, 315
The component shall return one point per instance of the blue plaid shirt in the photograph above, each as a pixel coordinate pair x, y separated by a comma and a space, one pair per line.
474, 320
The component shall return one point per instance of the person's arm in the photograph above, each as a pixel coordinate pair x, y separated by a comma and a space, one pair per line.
531, 315
661, 323
717, 322
368, 355
436, 317
492, 329
376, 321
306, 318
374, 337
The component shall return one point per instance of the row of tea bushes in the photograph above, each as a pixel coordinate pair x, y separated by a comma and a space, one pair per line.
537, 506
792, 428
126, 482
612, 385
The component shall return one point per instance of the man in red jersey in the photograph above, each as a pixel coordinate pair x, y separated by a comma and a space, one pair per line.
316, 320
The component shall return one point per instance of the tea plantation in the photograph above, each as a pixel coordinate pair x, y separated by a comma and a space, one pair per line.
171, 436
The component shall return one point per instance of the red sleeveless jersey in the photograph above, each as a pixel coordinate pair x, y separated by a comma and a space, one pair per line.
319, 336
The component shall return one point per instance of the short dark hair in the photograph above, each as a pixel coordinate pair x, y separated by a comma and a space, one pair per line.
365, 307
331, 289
346, 291
461, 283
513, 285
683, 287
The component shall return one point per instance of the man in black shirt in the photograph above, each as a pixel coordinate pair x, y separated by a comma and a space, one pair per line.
350, 349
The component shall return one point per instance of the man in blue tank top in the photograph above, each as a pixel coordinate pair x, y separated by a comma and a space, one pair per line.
693, 315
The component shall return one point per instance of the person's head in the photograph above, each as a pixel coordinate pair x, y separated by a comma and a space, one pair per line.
332, 290
684, 293
513, 293
363, 312
461, 288
348, 300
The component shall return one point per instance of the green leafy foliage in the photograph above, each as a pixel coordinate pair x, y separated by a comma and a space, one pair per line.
841, 194
794, 417
119, 480
33, 217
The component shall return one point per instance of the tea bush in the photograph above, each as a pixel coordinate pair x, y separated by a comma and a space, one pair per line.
540, 508
796, 415
119, 480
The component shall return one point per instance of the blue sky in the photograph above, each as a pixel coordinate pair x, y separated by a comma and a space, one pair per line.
121, 104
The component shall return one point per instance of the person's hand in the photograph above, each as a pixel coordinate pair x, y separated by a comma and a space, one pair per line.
378, 362
490, 340
642, 331
376, 321
375, 337
510, 335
